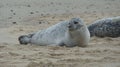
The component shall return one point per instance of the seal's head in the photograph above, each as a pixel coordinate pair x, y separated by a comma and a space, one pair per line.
75, 24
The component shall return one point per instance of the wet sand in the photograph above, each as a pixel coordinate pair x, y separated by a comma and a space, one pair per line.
27, 16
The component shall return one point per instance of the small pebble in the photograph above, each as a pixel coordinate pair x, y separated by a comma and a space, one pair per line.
51, 3
28, 6
40, 22
11, 10
14, 13
31, 12
14, 23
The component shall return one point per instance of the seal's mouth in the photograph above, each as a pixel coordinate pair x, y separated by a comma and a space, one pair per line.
71, 29
79, 27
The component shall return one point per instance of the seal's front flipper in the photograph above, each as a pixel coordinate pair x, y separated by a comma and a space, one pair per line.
61, 44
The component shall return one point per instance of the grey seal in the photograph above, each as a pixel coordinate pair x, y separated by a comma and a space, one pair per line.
106, 27
73, 32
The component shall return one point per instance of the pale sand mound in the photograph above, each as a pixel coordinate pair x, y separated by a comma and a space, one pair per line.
18, 17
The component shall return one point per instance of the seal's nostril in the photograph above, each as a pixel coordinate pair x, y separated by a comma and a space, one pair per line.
69, 26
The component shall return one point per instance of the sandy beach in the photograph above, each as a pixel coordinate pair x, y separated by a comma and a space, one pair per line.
19, 17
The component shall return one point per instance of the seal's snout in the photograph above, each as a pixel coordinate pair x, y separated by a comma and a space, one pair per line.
69, 26
24, 39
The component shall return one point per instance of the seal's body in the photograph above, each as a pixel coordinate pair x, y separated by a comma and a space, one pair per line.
107, 27
68, 33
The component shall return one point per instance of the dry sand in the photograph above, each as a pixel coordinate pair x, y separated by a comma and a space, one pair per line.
18, 17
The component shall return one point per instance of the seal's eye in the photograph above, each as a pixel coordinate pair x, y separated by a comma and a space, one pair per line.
75, 22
